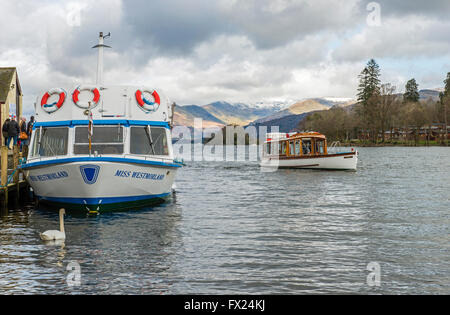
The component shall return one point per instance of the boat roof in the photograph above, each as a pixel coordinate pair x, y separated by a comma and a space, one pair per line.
278, 136
108, 102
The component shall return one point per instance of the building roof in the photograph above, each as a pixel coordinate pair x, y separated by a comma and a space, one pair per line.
6, 75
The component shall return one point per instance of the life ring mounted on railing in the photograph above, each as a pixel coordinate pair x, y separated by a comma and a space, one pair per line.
145, 104
85, 105
50, 108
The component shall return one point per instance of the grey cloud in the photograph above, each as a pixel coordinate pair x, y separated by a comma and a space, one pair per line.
175, 26
178, 26
269, 25
405, 37
431, 8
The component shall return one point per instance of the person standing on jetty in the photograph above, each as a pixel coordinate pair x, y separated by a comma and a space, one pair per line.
23, 137
5, 130
13, 132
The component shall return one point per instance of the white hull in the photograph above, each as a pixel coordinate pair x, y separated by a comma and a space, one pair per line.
341, 161
95, 184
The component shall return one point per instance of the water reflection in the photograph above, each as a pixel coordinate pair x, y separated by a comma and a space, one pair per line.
114, 250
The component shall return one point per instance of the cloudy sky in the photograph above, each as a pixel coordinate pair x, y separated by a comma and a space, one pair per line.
199, 51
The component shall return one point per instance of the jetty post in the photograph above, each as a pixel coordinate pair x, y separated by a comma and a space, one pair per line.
11, 180
4, 177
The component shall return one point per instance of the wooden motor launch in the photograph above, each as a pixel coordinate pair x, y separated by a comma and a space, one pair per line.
305, 150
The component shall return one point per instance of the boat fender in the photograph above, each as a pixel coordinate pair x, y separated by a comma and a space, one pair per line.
146, 105
50, 108
85, 105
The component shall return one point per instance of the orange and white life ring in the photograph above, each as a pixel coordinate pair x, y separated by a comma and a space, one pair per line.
50, 108
85, 105
145, 104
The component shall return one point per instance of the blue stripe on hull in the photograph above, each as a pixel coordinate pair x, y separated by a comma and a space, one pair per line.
100, 200
99, 159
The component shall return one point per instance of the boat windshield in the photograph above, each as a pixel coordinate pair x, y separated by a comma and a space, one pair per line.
105, 140
50, 141
147, 140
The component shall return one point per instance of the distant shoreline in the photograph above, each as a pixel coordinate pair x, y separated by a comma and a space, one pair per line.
395, 144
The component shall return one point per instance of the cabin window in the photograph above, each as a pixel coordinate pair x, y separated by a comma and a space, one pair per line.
50, 141
148, 140
268, 147
320, 146
297, 147
105, 140
283, 148
306, 146
291, 148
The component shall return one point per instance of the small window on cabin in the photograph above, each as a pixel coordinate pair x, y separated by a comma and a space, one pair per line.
146, 140
306, 146
105, 140
320, 146
283, 148
297, 147
291, 147
52, 142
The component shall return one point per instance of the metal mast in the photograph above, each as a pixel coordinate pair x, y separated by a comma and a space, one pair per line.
100, 47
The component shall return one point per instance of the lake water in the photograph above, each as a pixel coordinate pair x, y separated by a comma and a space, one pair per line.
232, 229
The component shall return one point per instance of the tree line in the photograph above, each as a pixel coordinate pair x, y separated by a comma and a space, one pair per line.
381, 115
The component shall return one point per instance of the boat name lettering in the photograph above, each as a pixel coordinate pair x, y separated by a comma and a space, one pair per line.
52, 176
141, 175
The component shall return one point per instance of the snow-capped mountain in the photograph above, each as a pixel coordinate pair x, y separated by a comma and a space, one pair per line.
224, 113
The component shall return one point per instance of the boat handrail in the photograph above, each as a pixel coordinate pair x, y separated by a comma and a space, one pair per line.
150, 157
334, 145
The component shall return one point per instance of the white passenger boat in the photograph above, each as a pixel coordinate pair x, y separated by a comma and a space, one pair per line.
99, 147
305, 150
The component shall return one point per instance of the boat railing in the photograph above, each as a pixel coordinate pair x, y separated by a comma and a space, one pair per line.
150, 157
334, 146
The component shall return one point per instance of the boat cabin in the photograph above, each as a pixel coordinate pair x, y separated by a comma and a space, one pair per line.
115, 123
295, 144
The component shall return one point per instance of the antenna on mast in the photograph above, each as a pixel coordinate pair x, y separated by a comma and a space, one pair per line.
100, 47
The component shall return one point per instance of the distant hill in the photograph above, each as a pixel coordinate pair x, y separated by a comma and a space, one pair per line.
285, 124
307, 105
185, 115
222, 113
286, 114
238, 113
430, 93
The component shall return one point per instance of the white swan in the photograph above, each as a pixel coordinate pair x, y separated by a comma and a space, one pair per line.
54, 234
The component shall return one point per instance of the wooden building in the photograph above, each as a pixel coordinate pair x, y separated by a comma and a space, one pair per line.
10, 95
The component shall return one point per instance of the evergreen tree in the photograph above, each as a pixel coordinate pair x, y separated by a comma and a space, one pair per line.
369, 82
447, 85
368, 94
412, 93
444, 96
362, 91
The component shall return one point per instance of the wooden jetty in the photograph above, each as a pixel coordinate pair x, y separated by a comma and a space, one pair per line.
13, 183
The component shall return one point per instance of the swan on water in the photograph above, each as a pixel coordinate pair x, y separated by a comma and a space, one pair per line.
54, 234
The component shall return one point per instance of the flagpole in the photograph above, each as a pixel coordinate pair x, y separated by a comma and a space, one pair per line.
100, 47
